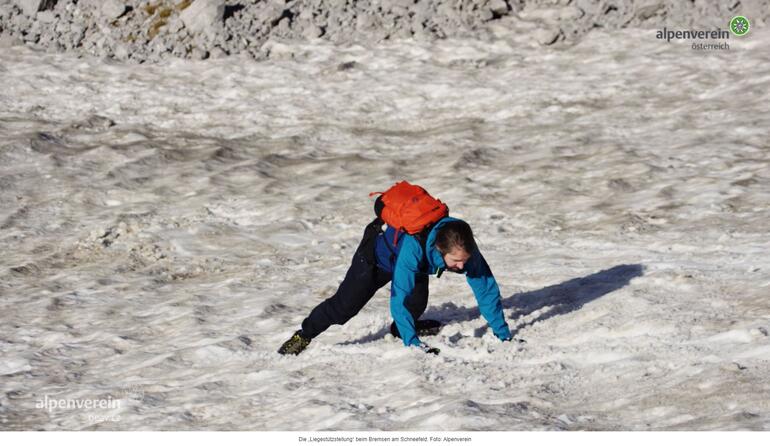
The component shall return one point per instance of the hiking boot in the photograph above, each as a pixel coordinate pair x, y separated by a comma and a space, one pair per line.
295, 345
425, 327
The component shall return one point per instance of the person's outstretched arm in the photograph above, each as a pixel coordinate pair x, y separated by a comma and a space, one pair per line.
487, 293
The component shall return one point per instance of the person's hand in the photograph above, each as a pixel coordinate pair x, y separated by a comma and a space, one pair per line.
510, 339
428, 349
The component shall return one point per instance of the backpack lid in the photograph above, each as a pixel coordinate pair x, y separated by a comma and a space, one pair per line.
409, 208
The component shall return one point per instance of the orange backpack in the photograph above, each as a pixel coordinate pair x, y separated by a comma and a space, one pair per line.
409, 208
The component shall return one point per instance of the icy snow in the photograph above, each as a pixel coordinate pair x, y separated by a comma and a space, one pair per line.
619, 190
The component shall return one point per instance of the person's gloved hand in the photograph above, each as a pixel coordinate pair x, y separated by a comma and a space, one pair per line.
428, 349
504, 335
510, 339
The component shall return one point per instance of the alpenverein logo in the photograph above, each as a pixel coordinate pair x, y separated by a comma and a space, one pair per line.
740, 25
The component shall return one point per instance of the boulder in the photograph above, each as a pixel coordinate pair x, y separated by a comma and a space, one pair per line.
498, 7
46, 17
31, 7
113, 9
204, 16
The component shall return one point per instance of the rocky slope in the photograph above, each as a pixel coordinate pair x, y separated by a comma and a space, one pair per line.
142, 30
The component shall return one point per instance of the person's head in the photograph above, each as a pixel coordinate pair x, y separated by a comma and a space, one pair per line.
454, 240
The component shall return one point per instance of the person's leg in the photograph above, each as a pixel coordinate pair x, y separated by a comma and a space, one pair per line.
362, 280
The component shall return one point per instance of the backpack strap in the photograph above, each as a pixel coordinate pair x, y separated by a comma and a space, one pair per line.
422, 239
392, 253
378, 205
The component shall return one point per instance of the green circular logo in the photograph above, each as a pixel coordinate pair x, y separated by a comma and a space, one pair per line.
740, 25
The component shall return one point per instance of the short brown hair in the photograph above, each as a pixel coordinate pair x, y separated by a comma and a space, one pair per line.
455, 234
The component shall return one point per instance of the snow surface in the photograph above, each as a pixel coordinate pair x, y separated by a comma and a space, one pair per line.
164, 228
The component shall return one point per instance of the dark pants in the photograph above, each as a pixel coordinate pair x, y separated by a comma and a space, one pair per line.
362, 280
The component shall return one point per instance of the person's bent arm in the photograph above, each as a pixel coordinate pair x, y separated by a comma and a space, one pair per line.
407, 266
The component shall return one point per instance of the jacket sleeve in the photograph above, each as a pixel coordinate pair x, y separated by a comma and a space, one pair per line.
487, 293
407, 266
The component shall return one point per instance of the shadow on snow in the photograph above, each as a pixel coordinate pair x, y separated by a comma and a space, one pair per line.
559, 299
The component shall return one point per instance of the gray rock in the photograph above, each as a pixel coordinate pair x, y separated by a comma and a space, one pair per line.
199, 54
31, 7
62, 27
85, 26
46, 17
113, 9
648, 9
283, 28
218, 53
498, 7
204, 16
180, 50
175, 25
96, 123
547, 36
121, 52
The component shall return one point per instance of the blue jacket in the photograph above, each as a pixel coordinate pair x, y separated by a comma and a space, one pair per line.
408, 259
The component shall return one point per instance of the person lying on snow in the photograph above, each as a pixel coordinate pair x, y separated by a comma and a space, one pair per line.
420, 240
